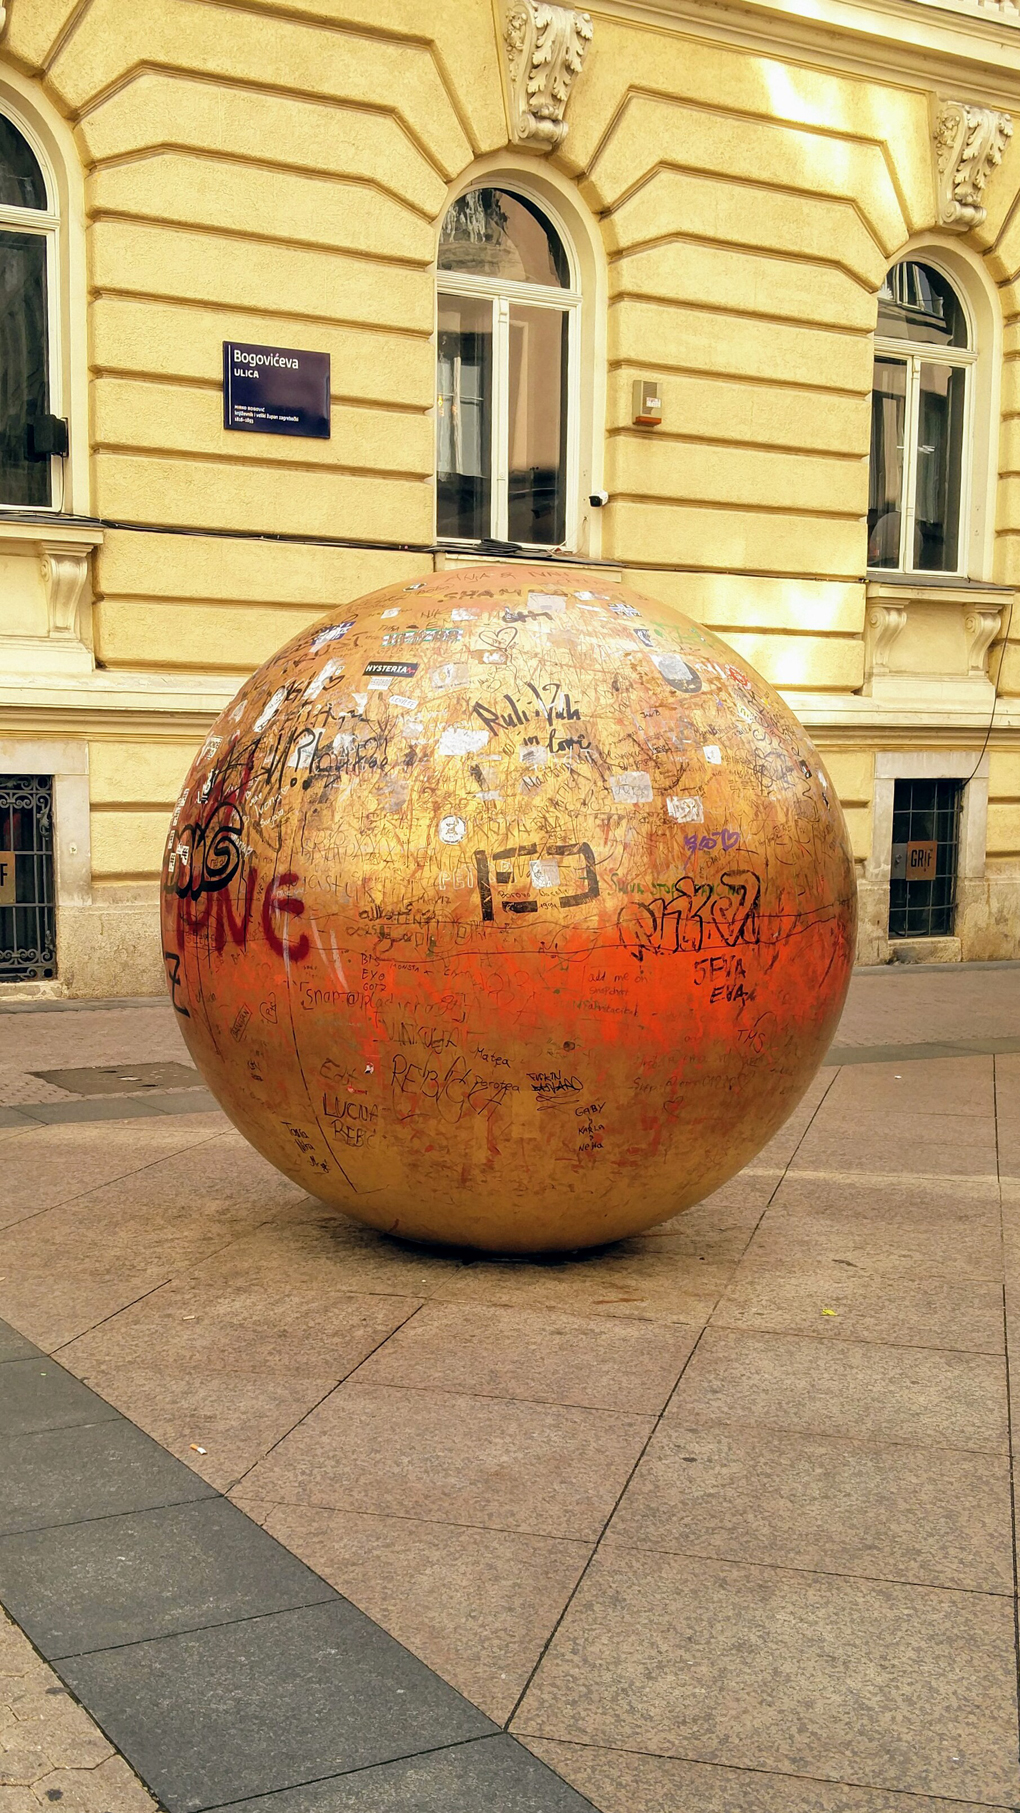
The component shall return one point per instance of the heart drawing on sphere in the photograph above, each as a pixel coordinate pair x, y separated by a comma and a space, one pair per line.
268, 1010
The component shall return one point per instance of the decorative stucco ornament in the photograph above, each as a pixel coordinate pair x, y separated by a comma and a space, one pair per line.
545, 48
508, 909
969, 143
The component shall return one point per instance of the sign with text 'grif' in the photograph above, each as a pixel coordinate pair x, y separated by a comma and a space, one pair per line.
275, 390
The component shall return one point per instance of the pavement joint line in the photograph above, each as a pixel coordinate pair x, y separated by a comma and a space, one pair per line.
934, 1048
787, 1775
342, 1380
66, 1201
565, 1608
412, 1756
315, 1668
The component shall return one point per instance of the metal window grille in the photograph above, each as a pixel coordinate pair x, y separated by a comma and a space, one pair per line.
924, 813
28, 925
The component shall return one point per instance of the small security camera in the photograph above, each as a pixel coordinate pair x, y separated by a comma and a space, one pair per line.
598, 499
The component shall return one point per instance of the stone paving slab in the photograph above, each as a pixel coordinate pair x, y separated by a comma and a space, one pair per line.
36, 1393
246, 1708
105, 1469
116, 1580
485, 1776
218, 1664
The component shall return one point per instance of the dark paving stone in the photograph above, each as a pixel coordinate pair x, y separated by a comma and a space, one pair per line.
183, 1101
109, 1108
14, 1346
14, 1117
36, 1393
61, 1476
121, 1079
237, 1711
118, 1108
491, 1775
150, 1574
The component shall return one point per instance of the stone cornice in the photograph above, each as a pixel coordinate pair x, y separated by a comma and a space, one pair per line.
947, 44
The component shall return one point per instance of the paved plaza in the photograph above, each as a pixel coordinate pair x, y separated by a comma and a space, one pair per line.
718, 1520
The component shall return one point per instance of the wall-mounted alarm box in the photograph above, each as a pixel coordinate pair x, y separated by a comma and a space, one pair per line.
647, 401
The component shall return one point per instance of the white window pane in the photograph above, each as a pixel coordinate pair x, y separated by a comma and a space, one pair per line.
464, 418
23, 366
939, 460
885, 475
538, 420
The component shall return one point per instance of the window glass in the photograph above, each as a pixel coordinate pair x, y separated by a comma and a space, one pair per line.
538, 368
939, 460
925, 846
918, 303
23, 385
21, 180
464, 417
885, 477
491, 233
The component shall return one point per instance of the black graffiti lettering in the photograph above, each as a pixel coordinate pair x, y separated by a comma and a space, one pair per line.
205, 855
484, 884
692, 911
172, 960
591, 891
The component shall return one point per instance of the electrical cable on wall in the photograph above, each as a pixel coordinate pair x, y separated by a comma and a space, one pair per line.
995, 693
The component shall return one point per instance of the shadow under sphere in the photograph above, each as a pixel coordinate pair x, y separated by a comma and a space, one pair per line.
508, 909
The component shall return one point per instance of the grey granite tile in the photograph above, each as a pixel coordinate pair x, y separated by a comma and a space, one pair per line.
123, 1108
122, 1079
60, 1476
242, 1709
36, 1393
183, 1101
488, 1775
14, 1346
148, 1574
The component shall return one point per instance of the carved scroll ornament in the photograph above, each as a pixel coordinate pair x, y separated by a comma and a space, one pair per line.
969, 143
981, 626
545, 48
885, 621
65, 572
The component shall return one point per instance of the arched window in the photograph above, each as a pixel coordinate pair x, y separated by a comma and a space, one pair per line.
920, 408
508, 320
28, 226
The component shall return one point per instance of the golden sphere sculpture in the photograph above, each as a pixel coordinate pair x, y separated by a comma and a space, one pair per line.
508, 909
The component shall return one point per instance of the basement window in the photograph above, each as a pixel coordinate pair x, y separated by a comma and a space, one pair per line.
28, 924
925, 852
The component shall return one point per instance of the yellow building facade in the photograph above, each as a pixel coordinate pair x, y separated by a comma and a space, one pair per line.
723, 296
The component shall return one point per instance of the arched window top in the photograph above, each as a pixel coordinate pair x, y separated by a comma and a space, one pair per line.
496, 234
917, 303
21, 179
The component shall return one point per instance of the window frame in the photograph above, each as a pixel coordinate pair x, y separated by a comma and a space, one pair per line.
501, 292
913, 354
46, 224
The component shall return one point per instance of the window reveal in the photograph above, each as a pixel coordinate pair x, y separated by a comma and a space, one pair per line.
506, 325
918, 424
26, 253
